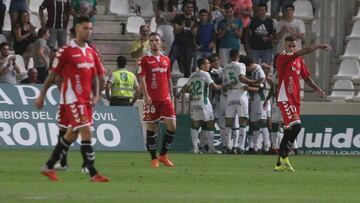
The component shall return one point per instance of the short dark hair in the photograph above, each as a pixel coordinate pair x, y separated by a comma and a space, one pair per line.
213, 56
154, 33
4, 44
82, 19
246, 60
228, 5
234, 53
203, 11
290, 38
42, 32
288, 6
201, 61
263, 5
121, 61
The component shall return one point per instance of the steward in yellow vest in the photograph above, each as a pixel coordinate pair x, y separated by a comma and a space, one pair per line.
123, 85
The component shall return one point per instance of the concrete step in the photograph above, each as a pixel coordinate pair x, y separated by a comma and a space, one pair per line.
100, 36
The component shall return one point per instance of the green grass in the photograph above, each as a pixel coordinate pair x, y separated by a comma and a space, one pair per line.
196, 178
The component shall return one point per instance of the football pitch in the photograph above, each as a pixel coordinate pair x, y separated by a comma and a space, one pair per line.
195, 178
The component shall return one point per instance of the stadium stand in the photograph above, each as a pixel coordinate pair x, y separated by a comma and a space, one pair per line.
349, 69
23, 72
34, 19
303, 10
7, 3
342, 90
2, 38
7, 22
202, 4
119, 7
153, 24
355, 33
133, 24
34, 6
352, 50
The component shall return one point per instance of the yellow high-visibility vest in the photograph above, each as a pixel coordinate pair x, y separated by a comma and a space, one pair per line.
123, 84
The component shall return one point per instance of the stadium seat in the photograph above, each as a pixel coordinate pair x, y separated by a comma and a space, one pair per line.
352, 50
23, 72
349, 69
30, 63
357, 17
119, 7
153, 24
355, 33
133, 24
202, 4
34, 6
175, 70
2, 38
146, 7
357, 97
268, 13
34, 19
303, 10
7, 22
7, 4
342, 90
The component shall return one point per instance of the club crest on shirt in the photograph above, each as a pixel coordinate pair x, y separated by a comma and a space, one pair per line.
91, 56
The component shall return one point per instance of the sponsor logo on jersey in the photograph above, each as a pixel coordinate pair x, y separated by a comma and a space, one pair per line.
85, 65
91, 56
158, 69
76, 55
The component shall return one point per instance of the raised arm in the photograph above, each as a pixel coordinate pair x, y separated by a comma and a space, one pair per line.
312, 48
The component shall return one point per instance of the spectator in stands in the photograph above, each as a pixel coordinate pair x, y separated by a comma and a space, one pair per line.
123, 86
289, 26
259, 36
32, 77
83, 8
277, 5
243, 9
165, 13
16, 7
8, 66
181, 6
141, 46
205, 37
24, 34
255, 3
229, 33
57, 20
185, 29
40, 53
2, 15
216, 14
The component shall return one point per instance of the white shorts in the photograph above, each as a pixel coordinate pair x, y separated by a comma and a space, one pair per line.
276, 116
238, 108
257, 111
202, 112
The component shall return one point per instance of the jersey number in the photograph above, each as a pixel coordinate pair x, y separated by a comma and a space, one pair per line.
196, 88
233, 79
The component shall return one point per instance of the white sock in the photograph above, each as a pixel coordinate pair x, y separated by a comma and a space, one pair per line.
275, 139
203, 138
210, 138
295, 146
266, 138
242, 138
256, 135
236, 138
228, 137
195, 138
223, 136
